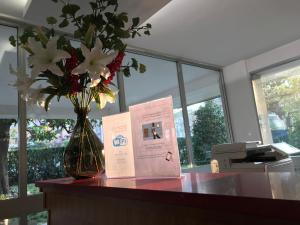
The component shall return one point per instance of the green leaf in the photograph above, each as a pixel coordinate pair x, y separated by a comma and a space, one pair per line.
51, 20
97, 99
134, 64
49, 90
70, 9
64, 23
93, 5
41, 35
148, 25
135, 21
28, 32
13, 41
123, 16
147, 32
142, 68
89, 36
109, 15
134, 34
122, 33
47, 101
77, 34
126, 71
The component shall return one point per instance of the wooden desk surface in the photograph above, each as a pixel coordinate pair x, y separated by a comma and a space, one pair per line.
275, 195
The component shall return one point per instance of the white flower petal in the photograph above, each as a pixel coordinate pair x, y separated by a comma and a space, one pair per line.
104, 72
35, 71
95, 82
60, 54
85, 50
52, 43
98, 44
34, 45
110, 99
102, 100
95, 62
80, 69
46, 58
108, 59
55, 70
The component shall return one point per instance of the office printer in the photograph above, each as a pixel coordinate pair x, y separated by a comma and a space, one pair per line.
252, 157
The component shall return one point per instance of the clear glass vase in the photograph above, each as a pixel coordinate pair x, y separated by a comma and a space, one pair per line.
83, 156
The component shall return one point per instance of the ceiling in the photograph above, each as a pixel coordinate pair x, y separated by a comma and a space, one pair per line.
38, 10
222, 32
218, 32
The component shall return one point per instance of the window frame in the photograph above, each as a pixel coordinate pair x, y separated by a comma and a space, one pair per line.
34, 203
254, 75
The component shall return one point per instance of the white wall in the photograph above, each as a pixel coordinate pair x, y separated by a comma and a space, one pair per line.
239, 91
241, 103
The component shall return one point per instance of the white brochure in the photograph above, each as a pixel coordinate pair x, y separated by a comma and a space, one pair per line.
119, 160
142, 143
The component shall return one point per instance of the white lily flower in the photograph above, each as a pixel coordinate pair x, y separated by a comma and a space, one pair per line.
95, 63
23, 81
46, 58
105, 98
34, 96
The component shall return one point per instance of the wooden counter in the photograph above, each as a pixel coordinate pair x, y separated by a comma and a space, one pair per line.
195, 198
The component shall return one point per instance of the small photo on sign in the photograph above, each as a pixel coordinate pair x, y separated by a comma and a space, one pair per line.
152, 131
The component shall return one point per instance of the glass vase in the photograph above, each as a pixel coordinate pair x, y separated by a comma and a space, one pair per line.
83, 156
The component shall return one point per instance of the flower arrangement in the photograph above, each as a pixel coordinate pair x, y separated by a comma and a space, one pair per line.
82, 74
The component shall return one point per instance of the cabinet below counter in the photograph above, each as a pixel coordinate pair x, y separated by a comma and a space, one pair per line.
195, 198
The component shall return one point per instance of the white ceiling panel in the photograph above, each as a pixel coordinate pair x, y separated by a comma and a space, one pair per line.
222, 32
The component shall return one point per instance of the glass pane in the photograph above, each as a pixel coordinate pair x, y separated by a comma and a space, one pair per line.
277, 95
205, 111
160, 80
40, 218
8, 118
14, 221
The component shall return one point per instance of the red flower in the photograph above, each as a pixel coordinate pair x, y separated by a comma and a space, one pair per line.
75, 83
109, 79
72, 63
114, 67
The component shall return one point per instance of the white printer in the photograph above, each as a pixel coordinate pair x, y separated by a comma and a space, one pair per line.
252, 157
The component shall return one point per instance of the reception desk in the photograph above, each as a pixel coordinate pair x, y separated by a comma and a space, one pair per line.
195, 198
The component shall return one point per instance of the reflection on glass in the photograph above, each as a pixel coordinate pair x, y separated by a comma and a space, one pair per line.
180, 133
8, 118
40, 218
205, 111
277, 96
14, 221
160, 80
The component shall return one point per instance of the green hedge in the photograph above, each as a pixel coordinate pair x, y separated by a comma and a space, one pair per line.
47, 163
42, 164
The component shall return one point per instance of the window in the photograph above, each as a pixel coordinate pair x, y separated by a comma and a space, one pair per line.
9, 150
277, 96
205, 111
48, 132
40, 218
160, 80
14, 221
